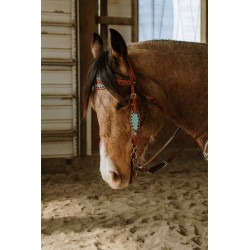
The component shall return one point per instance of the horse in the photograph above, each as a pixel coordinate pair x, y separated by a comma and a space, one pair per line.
134, 88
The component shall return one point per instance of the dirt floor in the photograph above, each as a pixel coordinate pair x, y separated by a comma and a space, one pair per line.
166, 210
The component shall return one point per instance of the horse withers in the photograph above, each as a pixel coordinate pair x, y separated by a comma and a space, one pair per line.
133, 89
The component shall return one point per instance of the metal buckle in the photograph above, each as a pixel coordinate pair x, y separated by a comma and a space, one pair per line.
133, 94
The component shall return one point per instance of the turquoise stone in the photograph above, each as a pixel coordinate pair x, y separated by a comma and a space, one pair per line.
135, 121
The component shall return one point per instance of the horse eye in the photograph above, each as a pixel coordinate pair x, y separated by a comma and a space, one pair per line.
114, 63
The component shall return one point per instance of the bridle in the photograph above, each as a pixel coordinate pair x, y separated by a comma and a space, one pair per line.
135, 124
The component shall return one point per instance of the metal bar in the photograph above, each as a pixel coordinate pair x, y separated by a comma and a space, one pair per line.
58, 24
114, 20
56, 96
57, 139
55, 12
61, 62
58, 133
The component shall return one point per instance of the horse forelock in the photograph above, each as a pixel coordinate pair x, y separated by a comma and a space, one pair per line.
101, 68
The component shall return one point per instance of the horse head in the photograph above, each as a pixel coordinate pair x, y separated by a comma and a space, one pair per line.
120, 125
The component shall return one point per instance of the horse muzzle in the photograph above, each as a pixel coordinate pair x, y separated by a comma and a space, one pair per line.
110, 173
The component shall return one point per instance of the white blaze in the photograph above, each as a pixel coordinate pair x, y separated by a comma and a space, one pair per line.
106, 164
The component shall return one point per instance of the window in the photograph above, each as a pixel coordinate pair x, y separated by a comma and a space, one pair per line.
170, 19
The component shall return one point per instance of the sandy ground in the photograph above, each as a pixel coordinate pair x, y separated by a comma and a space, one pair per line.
166, 210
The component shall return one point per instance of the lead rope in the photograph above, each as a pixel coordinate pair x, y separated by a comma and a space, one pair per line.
164, 163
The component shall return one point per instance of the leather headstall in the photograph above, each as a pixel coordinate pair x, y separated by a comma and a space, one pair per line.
135, 125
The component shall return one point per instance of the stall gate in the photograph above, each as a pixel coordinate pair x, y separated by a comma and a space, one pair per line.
59, 79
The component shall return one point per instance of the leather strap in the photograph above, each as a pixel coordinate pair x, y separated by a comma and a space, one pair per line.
170, 159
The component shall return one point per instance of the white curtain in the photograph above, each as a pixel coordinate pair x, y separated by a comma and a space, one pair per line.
169, 19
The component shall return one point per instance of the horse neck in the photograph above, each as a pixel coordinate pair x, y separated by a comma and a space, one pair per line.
178, 79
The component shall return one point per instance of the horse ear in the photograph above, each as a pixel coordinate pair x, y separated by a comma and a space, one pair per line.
119, 47
96, 45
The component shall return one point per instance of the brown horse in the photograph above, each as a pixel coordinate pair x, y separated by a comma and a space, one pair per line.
173, 74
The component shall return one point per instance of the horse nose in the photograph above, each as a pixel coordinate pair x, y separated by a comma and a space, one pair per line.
116, 181
115, 177
110, 172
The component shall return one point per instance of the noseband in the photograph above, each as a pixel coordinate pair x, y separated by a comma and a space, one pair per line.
135, 124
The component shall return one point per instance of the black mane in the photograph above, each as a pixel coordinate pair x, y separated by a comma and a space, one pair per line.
101, 67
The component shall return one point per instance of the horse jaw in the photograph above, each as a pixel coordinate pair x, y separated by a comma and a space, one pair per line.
109, 171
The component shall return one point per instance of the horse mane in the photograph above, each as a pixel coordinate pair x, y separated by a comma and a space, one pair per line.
100, 67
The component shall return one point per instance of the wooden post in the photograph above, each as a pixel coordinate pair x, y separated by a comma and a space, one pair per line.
204, 21
134, 11
104, 27
87, 13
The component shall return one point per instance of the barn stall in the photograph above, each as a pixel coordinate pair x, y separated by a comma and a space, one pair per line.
167, 210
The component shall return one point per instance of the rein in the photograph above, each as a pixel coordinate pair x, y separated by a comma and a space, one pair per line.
135, 122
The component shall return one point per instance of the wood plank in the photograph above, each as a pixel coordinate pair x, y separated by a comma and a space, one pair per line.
114, 20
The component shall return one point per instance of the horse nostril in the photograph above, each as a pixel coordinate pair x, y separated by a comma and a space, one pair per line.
115, 176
